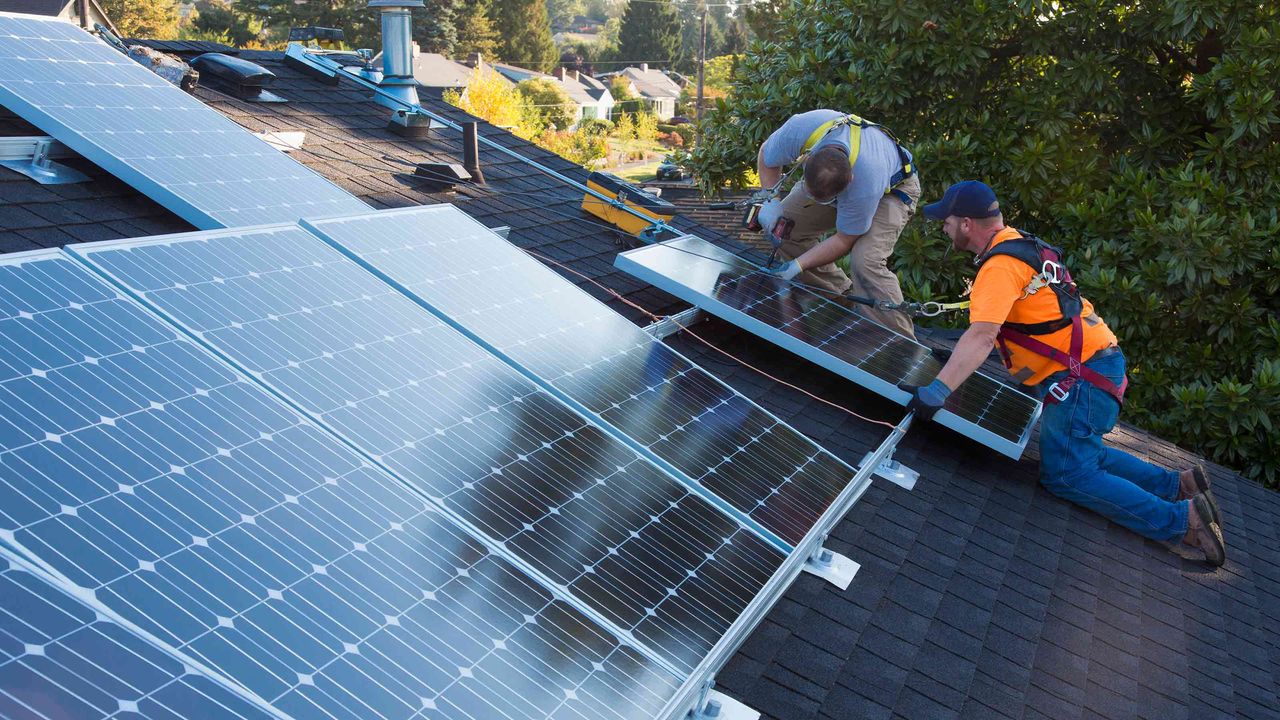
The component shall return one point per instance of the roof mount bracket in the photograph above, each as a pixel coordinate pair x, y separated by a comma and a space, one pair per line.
832, 567
672, 324
896, 473
33, 157
719, 706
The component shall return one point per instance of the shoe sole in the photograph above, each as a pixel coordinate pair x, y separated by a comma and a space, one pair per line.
1218, 556
1202, 487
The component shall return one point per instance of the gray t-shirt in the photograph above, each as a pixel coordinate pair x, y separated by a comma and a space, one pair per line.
877, 162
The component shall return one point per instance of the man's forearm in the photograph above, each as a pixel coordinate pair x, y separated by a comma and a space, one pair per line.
829, 250
769, 176
971, 350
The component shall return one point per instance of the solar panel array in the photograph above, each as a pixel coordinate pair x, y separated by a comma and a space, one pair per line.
458, 423
196, 505
830, 334
59, 658
149, 133
599, 360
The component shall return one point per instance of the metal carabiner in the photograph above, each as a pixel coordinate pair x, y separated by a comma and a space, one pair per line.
1051, 272
929, 309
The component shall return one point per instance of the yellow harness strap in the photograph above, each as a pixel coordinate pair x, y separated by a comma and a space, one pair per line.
855, 124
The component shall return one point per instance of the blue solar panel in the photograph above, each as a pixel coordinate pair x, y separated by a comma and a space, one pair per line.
600, 361
60, 658
831, 335
149, 133
450, 418
200, 508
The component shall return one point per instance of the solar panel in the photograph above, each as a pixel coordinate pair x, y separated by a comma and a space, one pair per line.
830, 335
450, 418
149, 133
601, 362
61, 659
200, 508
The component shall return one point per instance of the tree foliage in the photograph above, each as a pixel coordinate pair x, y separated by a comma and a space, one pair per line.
524, 34
650, 33
476, 32
217, 18
548, 102
1140, 136
151, 19
360, 25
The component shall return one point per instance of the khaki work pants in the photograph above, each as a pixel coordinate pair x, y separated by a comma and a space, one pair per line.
870, 275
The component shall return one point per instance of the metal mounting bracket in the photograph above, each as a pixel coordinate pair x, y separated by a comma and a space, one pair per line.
896, 473
722, 707
832, 567
33, 157
673, 324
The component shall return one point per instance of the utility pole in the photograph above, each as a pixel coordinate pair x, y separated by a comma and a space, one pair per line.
702, 64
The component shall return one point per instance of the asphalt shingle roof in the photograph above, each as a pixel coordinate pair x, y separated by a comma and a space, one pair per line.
980, 594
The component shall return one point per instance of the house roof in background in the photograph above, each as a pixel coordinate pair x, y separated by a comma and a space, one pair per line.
652, 83
436, 70
980, 594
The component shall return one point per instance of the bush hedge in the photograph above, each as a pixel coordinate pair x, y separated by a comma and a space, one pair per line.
1141, 137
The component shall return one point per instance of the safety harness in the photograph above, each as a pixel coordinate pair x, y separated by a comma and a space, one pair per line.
855, 125
1046, 260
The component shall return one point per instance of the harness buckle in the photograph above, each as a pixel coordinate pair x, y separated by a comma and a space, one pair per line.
1058, 392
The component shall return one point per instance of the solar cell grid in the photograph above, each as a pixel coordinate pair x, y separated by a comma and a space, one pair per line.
149, 133
455, 421
61, 659
702, 274
601, 361
197, 506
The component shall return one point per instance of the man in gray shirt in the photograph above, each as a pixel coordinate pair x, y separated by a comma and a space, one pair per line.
866, 199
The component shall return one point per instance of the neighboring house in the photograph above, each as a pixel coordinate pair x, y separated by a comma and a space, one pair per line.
84, 13
434, 70
590, 97
980, 595
659, 91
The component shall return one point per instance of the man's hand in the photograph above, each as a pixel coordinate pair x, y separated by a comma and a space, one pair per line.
787, 271
926, 400
768, 219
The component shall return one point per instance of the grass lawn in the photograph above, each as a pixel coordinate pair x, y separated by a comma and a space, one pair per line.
639, 173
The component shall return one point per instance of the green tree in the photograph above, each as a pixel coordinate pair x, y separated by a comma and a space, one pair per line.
525, 35
561, 12
650, 33
548, 102
219, 18
435, 26
1141, 137
476, 33
151, 19
360, 25
765, 17
490, 97
735, 37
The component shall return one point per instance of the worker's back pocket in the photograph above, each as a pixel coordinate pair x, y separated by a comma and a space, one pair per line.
1096, 412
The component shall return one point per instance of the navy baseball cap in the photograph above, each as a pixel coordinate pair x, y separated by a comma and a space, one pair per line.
971, 199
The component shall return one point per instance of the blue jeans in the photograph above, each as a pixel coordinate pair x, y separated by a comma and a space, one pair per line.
1076, 466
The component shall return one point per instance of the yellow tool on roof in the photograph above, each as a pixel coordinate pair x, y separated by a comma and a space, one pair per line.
633, 197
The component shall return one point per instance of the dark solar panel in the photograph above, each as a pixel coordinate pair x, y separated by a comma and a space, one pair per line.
457, 422
147, 132
831, 335
60, 658
200, 508
599, 360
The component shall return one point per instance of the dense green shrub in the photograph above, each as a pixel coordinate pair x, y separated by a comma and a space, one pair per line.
1141, 137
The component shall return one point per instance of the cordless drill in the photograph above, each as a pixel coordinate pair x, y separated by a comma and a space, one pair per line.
781, 230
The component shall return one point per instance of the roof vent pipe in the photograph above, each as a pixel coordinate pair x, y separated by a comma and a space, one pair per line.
397, 48
471, 151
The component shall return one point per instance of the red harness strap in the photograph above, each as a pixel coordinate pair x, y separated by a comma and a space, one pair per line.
1075, 368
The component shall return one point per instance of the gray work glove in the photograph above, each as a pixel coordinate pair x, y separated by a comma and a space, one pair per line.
768, 217
926, 400
787, 271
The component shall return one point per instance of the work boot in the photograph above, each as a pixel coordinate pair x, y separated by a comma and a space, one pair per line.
1204, 532
1195, 481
